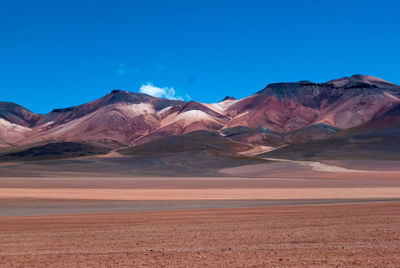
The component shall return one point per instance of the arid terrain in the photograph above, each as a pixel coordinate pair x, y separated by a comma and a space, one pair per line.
298, 174
346, 235
276, 214
199, 134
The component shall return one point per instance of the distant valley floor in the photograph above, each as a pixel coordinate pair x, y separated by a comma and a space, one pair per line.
272, 184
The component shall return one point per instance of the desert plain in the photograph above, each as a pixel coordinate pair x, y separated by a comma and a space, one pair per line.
278, 214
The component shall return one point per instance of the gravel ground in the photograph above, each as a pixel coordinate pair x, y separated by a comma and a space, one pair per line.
346, 235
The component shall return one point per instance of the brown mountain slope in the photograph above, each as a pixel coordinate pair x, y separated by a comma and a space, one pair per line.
16, 114
197, 141
378, 139
54, 151
282, 113
343, 103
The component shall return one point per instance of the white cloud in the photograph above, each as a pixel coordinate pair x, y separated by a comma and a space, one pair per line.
160, 92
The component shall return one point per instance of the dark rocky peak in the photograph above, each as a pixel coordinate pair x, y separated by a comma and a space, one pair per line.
17, 114
285, 85
360, 81
135, 98
126, 96
330, 90
118, 91
62, 110
114, 97
305, 92
12, 107
228, 98
292, 89
355, 81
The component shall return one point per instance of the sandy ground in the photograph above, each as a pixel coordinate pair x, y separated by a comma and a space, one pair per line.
256, 150
30, 207
279, 186
383, 165
351, 235
284, 168
325, 167
285, 214
201, 194
37, 196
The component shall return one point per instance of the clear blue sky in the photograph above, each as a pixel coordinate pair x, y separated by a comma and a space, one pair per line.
62, 53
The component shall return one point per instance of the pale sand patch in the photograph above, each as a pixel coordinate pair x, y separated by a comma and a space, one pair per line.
202, 194
319, 166
111, 154
296, 171
256, 150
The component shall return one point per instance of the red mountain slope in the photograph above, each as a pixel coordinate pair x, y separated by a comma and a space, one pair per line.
280, 113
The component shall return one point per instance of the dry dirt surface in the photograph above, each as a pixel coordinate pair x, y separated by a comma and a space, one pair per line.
281, 214
347, 235
283, 168
202, 194
40, 196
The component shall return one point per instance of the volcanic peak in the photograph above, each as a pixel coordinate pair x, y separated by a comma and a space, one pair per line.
228, 98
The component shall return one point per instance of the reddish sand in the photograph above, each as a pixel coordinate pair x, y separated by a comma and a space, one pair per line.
228, 224
38, 196
202, 194
356, 235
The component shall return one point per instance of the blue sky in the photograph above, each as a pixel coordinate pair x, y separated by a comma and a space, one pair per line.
62, 53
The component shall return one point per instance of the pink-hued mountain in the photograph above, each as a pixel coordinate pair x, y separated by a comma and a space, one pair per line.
280, 113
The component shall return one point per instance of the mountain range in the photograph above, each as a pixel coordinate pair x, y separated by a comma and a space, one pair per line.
346, 117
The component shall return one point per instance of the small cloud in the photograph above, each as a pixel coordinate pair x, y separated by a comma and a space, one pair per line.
161, 92
123, 70
188, 97
159, 66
